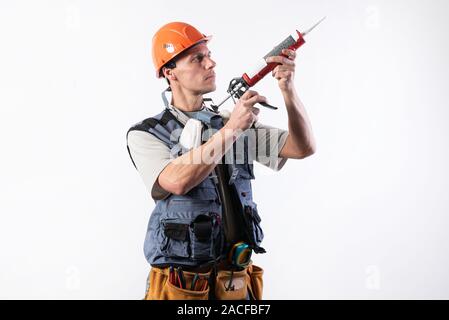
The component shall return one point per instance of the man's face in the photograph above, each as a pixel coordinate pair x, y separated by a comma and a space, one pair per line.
195, 70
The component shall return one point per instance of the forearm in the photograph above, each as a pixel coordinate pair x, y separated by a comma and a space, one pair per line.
301, 140
188, 170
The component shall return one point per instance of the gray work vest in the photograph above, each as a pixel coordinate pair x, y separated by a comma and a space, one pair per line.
187, 229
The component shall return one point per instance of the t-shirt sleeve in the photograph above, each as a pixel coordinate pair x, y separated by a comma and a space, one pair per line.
151, 156
269, 143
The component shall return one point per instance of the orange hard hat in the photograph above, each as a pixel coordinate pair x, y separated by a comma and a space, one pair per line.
172, 39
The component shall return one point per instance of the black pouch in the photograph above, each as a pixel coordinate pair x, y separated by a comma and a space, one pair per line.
255, 234
204, 237
202, 227
177, 231
175, 238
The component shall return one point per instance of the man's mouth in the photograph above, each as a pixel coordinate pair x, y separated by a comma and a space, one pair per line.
210, 76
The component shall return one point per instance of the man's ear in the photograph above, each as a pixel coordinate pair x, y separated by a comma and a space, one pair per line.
168, 73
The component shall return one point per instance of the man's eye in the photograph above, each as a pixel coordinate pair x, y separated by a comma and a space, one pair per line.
200, 58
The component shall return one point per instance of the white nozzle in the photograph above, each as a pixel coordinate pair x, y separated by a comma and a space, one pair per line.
313, 27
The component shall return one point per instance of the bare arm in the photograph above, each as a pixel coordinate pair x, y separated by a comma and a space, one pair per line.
300, 141
188, 170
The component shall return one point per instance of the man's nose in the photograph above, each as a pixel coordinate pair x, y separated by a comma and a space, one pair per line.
210, 63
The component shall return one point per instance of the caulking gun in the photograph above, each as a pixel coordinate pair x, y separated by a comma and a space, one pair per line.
238, 86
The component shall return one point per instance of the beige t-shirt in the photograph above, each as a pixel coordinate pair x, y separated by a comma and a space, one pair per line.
151, 155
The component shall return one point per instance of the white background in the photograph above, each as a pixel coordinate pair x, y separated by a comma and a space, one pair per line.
365, 217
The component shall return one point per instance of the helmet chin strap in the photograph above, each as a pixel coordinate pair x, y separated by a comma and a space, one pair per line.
164, 98
168, 105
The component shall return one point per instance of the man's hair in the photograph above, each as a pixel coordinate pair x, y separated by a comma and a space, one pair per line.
170, 65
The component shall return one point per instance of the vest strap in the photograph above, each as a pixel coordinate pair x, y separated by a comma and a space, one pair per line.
234, 174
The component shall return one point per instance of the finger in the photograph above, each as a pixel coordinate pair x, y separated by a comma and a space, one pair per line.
277, 72
280, 60
248, 94
255, 119
282, 68
255, 110
283, 75
291, 54
252, 101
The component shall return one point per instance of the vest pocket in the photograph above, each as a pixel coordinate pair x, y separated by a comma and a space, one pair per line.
197, 238
175, 238
205, 237
253, 221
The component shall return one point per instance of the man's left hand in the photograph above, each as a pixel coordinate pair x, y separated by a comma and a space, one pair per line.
285, 71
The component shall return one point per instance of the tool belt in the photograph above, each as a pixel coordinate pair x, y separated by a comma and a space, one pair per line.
216, 284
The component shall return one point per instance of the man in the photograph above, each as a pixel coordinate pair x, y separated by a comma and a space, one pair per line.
205, 224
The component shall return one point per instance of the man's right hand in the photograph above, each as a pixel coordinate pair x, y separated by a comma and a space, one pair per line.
244, 113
